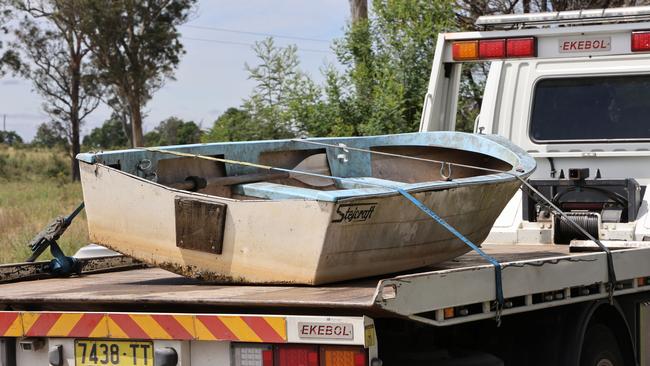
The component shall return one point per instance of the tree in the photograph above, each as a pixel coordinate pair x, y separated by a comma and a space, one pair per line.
140, 51
284, 103
174, 131
109, 136
121, 113
8, 58
50, 135
152, 138
233, 125
50, 38
10, 138
277, 76
387, 63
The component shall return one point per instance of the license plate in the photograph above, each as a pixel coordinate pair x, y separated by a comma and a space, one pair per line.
114, 353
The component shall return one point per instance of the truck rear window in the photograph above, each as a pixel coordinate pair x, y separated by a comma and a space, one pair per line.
591, 109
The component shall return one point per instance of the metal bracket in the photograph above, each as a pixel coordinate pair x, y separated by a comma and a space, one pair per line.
61, 265
39, 270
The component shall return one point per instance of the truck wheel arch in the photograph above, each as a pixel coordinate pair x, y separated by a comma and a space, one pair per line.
598, 312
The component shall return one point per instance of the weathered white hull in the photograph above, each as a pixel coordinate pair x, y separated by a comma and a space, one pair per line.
292, 240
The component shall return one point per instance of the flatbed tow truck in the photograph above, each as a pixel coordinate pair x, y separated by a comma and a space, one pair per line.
563, 306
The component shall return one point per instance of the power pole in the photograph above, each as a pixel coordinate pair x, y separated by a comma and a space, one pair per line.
4, 122
362, 52
358, 10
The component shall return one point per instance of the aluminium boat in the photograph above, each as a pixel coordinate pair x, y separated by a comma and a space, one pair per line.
221, 212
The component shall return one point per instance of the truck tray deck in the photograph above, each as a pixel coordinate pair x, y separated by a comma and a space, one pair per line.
422, 295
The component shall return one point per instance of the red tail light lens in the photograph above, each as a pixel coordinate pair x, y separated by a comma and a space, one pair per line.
267, 357
492, 48
521, 47
641, 41
291, 355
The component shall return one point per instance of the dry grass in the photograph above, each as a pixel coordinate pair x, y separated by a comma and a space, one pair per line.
34, 189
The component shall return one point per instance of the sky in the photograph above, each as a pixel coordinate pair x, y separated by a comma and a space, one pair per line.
211, 76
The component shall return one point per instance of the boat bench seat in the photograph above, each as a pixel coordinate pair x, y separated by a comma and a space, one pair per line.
274, 191
358, 182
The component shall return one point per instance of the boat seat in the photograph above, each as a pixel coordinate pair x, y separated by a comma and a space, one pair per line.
274, 191
358, 183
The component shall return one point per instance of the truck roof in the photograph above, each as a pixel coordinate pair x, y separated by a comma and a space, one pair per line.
529, 271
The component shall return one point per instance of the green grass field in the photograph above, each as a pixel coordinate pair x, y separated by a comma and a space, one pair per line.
34, 189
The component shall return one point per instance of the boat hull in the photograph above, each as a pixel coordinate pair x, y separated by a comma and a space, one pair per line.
299, 241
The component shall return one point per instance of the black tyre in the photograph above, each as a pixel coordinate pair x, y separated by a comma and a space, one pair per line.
600, 348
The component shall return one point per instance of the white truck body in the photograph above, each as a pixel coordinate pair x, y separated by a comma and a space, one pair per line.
507, 108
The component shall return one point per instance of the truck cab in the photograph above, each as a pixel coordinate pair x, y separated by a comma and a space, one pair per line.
571, 88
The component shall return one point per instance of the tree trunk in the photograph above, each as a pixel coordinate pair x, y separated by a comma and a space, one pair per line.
544, 5
362, 51
136, 125
559, 5
123, 115
75, 146
358, 10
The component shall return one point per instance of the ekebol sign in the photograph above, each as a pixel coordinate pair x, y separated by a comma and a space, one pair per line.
585, 44
325, 330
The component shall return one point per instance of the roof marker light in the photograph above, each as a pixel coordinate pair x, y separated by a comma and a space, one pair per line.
641, 41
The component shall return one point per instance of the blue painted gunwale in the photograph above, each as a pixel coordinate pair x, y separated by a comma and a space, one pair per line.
357, 168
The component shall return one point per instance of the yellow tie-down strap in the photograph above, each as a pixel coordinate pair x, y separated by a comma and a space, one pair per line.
244, 328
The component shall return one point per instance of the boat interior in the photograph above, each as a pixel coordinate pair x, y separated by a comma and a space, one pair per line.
370, 173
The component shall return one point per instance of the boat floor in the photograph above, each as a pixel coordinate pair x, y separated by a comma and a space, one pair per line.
153, 289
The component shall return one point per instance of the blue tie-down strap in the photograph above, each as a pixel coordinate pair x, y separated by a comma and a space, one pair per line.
451, 229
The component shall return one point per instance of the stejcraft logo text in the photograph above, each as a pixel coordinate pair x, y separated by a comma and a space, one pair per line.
354, 212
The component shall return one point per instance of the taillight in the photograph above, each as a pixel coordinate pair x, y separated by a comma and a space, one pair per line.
466, 50
267, 357
294, 355
641, 41
492, 48
486, 49
297, 355
252, 355
344, 356
521, 47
